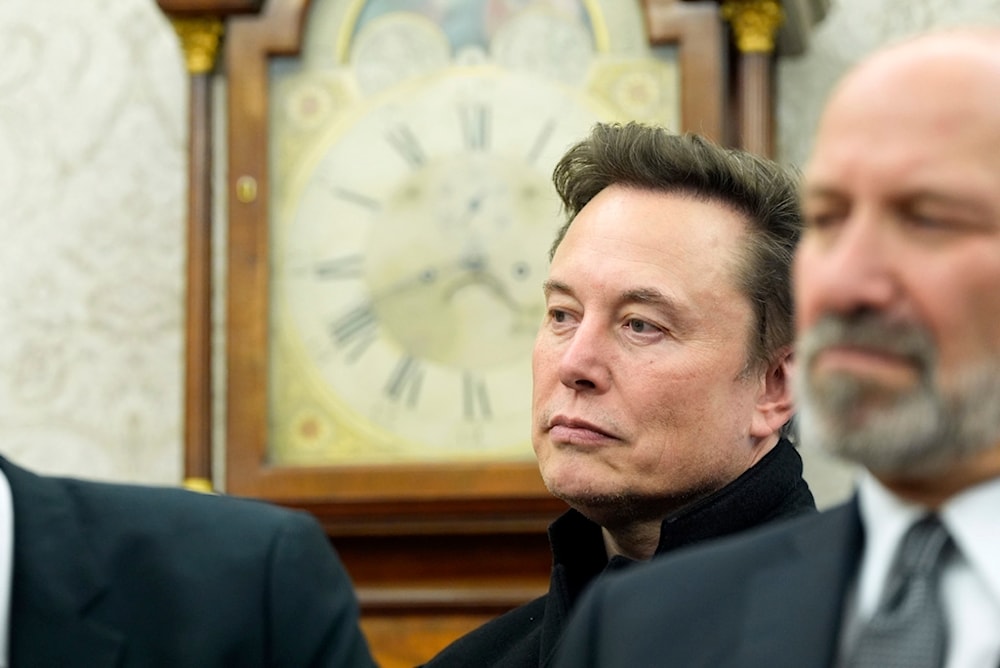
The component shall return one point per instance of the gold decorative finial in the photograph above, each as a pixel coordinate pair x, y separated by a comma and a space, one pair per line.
200, 41
755, 23
203, 485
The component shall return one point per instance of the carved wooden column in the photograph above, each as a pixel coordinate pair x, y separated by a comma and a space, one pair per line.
199, 39
695, 28
755, 26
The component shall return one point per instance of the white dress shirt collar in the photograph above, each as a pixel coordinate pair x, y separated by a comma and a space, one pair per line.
6, 565
971, 577
973, 518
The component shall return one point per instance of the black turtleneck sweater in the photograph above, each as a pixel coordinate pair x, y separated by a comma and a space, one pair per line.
527, 636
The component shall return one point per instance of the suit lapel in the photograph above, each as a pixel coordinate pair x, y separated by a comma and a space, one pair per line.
56, 579
794, 607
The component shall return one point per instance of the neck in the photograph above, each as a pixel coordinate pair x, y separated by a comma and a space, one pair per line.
636, 541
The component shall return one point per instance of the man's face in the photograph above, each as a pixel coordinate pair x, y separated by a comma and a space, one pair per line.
640, 399
897, 276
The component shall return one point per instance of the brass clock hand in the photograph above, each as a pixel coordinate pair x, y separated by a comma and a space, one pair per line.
425, 277
525, 315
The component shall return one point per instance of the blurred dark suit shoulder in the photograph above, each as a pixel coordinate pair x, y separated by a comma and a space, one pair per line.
124, 575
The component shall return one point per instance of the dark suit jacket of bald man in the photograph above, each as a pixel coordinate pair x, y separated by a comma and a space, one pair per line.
128, 576
769, 598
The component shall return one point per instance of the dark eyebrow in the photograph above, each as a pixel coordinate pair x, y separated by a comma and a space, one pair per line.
550, 286
959, 203
657, 299
647, 296
642, 295
821, 192
914, 198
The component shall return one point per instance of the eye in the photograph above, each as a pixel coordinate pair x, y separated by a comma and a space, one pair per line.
640, 326
936, 217
561, 321
921, 220
642, 332
822, 211
821, 219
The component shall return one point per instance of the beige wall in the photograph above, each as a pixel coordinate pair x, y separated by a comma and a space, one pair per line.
92, 187
92, 165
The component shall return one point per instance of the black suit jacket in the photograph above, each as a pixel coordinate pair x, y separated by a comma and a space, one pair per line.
126, 576
771, 598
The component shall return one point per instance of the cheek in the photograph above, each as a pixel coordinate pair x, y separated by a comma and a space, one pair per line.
678, 419
704, 440
715, 416
544, 367
958, 290
802, 290
544, 377
964, 319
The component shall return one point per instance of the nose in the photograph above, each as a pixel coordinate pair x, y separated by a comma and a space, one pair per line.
584, 365
848, 270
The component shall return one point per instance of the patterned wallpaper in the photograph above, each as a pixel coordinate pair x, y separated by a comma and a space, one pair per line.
851, 29
92, 194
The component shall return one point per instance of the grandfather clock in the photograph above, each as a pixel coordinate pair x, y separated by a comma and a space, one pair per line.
377, 376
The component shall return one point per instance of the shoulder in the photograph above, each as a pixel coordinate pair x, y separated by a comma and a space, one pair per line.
729, 560
116, 520
512, 639
172, 509
239, 580
769, 577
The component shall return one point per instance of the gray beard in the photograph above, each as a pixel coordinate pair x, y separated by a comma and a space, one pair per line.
910, 434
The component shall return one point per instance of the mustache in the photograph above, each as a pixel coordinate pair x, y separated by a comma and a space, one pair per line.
868, 330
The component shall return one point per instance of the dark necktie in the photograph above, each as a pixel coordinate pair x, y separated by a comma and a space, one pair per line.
908, 629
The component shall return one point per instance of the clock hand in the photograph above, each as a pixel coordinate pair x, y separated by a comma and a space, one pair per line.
477, 274
426, 276
469, 266
526, 316
470, 269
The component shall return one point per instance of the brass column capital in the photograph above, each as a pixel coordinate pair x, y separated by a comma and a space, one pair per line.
755, 23
203, 485
200, 41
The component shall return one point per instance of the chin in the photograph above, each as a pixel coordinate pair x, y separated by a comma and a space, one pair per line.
581, 494
568, 477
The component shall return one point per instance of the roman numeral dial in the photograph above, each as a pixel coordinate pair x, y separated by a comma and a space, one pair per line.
420, 245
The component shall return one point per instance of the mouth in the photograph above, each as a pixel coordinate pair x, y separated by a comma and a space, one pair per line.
883, 366
867, 345
574, 431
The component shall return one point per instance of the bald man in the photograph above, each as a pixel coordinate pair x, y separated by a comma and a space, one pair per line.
897, 290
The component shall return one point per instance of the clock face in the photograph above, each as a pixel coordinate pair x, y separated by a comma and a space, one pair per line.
411, 262
412, 210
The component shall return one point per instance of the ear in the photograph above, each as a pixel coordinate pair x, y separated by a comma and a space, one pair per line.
774, 399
